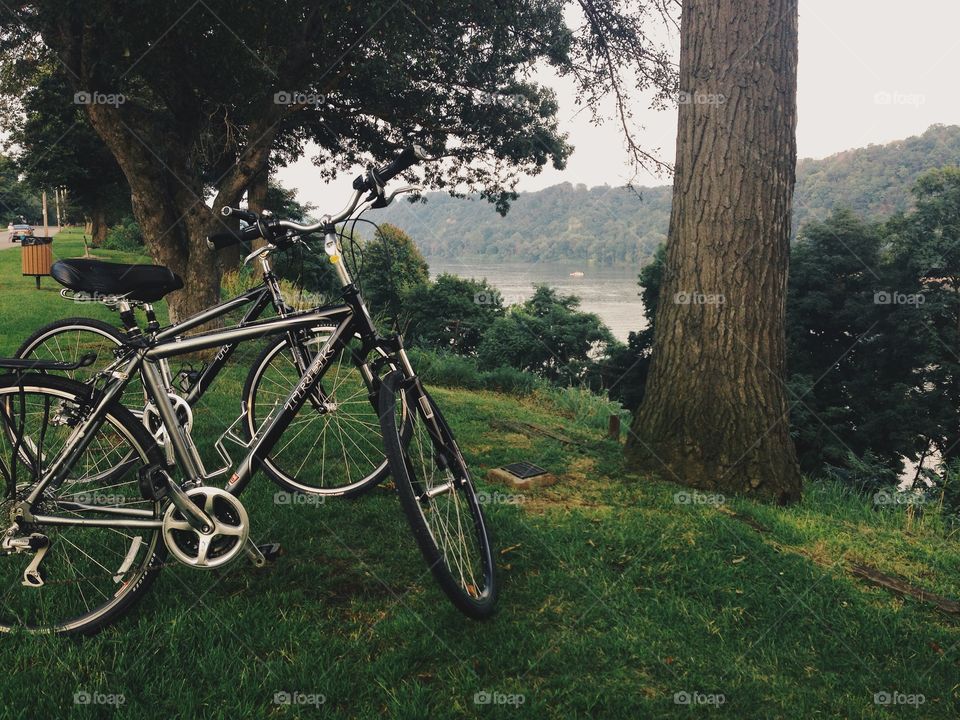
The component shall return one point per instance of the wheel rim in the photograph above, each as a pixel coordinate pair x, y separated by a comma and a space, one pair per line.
68, 343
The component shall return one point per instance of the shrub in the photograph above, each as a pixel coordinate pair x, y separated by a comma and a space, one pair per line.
511, 381
235, 282
446, 369
125, 236
449, 370
584, 406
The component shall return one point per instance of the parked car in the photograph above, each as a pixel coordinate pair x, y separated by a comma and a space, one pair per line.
18, 231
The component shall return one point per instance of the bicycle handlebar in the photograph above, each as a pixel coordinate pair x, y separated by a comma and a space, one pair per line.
228, 238
261, 227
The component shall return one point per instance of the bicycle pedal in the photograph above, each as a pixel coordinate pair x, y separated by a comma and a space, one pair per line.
153, 482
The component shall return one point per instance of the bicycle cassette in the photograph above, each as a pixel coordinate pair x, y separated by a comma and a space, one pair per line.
223, 543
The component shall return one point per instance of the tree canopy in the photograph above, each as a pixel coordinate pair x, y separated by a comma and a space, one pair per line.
194, 100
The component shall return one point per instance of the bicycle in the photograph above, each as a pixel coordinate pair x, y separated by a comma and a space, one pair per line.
60, 492
273, 371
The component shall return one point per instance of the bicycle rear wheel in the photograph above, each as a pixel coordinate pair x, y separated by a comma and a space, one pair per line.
439, 499
70, 339
89, 575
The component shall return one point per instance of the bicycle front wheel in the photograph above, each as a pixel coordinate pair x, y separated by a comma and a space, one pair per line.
334, 445
439, 498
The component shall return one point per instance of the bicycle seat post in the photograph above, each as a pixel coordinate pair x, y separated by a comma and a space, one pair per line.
129, 318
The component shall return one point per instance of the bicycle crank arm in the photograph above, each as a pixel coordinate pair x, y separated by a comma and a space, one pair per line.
253, 552
192, 513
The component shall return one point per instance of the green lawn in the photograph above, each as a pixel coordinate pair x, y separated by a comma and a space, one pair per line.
618, 600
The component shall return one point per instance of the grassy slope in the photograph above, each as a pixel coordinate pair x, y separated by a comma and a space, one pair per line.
615, 598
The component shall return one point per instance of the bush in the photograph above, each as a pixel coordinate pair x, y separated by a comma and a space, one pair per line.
125, 236
584, 406
238, 281
511, 381
446, 369
450, 370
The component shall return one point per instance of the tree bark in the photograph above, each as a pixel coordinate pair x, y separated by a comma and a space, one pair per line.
98, 225
715, 412
167, 196
257, 202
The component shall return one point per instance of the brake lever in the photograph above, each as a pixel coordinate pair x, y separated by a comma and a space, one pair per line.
269, 247
382, 201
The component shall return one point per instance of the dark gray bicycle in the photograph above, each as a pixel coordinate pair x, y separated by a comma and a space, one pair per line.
93, 505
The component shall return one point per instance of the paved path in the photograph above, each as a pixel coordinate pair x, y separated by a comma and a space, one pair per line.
6, 244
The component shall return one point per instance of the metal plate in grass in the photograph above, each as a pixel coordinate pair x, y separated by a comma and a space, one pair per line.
524, 470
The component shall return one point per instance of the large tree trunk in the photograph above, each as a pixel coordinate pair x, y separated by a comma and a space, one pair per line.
98, 225
715, 412
257, 202
168, 202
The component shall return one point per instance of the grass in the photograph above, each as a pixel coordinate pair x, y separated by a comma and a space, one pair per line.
618, 596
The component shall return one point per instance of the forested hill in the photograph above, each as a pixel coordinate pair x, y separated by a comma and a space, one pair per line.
612, 225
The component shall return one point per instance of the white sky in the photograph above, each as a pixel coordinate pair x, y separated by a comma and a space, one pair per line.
871, 71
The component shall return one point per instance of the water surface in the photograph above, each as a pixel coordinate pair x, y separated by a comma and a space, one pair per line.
610, 292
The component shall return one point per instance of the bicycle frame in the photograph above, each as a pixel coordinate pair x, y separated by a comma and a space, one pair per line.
268, 293
351, 319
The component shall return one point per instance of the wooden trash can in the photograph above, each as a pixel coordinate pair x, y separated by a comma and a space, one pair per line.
37, 256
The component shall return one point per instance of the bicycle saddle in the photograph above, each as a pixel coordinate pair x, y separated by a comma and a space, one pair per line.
146, 283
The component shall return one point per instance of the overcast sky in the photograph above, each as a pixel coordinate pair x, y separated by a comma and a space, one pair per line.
871, 71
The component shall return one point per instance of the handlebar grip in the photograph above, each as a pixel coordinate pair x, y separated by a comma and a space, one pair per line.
409, 157
246, 216
406, 159
221, 240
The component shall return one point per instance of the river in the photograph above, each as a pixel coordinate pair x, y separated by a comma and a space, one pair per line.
610, 292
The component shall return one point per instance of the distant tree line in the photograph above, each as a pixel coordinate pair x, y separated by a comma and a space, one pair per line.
609, 225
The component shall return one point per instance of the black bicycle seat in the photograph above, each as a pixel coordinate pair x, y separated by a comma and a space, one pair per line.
144, 283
